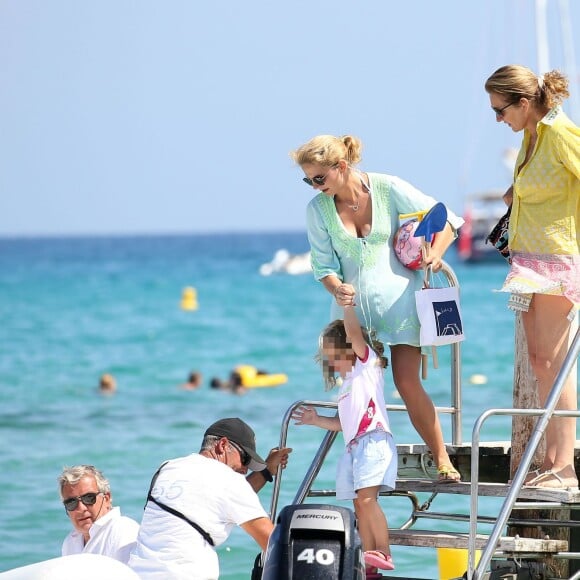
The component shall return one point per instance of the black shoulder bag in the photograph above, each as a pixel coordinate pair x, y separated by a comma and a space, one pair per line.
174, 512
499, 235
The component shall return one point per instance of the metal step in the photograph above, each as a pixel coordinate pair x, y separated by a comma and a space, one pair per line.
490, 490
508, 545
416, 461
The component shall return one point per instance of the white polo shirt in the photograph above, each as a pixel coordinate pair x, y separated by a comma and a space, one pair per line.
112, 535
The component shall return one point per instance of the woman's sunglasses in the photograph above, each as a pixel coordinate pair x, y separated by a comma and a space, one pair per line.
499, 112
317, 179
72, 503
244, 455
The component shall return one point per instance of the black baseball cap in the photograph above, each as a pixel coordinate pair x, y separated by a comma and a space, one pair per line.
241, 434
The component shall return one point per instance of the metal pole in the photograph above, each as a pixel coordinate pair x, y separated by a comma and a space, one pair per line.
519, 476
542, 47
456, 403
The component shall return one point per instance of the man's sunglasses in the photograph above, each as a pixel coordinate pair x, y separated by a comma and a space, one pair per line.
244, 455
72, 503
317, 179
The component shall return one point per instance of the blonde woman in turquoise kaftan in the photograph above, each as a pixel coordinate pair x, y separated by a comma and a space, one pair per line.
351, 223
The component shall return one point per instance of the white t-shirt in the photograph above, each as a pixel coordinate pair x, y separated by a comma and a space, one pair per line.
361, 402
112, 535
209, 493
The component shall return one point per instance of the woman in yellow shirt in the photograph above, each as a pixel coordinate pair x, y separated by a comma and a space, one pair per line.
544, 241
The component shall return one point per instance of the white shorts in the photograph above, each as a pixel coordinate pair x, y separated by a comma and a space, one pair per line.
367, 461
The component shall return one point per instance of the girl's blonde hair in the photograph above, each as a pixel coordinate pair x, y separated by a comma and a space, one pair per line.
335, 333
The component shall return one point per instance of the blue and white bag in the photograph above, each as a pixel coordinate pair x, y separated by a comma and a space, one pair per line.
439, 313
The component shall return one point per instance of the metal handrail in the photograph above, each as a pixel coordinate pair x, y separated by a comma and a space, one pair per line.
474, 571
316, 462
456, 403
322, 452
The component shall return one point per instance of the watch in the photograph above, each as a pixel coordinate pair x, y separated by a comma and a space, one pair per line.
266, 474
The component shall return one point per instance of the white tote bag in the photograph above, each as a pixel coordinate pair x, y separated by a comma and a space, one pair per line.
440, 316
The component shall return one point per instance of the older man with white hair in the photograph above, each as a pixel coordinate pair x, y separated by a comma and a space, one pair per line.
99, 528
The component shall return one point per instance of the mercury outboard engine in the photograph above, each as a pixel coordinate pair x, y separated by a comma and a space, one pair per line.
314, 542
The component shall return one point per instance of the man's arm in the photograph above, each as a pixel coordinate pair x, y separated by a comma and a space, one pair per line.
276, 457
260, 529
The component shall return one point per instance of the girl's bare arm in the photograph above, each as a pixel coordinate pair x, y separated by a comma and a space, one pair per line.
354, 332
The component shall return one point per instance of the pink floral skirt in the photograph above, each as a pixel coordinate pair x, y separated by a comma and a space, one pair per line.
542, 274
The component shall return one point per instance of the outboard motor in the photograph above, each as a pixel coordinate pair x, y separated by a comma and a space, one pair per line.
314, 542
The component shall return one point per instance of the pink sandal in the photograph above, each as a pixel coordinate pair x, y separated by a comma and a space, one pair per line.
379, 560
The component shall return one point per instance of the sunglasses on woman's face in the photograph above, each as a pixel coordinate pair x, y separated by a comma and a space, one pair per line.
499, 112
317, 179
72, 503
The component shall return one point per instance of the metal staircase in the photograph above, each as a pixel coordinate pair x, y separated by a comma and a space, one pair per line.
485, 471
505, 552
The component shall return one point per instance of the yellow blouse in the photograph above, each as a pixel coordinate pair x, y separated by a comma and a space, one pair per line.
545, 217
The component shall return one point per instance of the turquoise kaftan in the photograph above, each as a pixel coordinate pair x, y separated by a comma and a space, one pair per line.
385, 288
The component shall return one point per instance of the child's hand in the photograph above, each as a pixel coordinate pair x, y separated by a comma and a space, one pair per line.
305, 416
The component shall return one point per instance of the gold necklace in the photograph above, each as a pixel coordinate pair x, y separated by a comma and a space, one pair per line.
356, 205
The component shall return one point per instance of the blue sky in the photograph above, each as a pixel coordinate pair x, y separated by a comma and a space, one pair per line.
177, 116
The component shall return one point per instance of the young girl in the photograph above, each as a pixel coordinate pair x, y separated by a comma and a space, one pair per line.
369, 462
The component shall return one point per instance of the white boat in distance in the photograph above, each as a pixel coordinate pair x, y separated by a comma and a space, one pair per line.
284, 262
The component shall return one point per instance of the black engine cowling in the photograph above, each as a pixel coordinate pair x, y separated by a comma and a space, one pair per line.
313, 542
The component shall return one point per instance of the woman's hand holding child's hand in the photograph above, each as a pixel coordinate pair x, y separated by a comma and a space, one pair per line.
345, 294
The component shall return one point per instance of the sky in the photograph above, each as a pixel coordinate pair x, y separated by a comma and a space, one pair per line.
178, 116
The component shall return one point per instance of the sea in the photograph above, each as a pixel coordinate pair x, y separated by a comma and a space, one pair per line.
73, 308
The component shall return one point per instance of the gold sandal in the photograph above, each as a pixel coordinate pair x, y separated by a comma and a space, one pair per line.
448, 474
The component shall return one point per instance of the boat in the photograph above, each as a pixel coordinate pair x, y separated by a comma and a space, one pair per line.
86, 566
284, 262
482, 212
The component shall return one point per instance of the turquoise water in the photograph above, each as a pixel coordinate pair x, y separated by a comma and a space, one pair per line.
72, 309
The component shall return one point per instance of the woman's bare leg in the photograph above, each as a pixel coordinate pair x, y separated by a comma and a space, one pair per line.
406, 363
547, 330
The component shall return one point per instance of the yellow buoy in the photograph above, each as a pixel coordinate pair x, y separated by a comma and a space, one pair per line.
453, 562
189, 299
